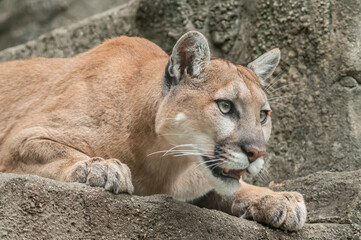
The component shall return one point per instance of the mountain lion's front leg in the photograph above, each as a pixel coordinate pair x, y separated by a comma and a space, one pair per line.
52, 158
111, 174
285, 210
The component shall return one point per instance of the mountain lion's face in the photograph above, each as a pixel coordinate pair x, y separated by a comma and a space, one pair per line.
216, 113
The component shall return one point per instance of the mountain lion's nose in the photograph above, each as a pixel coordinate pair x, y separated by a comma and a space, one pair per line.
253, 154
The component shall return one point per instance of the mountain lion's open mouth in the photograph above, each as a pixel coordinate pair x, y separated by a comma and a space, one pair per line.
223, 172
232, 173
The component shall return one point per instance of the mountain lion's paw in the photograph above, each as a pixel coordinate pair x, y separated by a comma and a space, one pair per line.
111, 174
285, 210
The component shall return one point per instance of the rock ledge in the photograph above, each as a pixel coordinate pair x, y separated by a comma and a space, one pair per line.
32, 207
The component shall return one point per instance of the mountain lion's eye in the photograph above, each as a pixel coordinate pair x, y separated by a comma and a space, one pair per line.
225, 106
263, 116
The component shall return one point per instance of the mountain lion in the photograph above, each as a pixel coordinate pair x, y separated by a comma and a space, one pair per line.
127, 117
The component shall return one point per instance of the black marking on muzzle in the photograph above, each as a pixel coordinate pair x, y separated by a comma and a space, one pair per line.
219, 150
216, 171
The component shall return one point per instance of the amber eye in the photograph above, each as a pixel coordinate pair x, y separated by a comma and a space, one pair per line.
225, 106
263, 116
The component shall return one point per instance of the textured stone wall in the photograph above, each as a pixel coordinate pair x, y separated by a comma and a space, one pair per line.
73, 39
24, 20
46, 209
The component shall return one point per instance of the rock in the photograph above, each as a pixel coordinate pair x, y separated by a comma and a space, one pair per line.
24, 20
79, 37
348, 82
330, 196
32, 207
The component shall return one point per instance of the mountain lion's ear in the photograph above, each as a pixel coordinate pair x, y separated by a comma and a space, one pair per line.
264, 65
190, 55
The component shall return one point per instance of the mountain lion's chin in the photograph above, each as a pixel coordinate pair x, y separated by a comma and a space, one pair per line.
225, 187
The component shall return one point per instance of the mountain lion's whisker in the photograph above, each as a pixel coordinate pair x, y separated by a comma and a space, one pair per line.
188, 154
191, 153
279, 88
273, 82
264, 175
273, 103
178, 152
273, 78
215, 165
178, 146
278, 97
167, 151
181, 151
192, 144
209, 161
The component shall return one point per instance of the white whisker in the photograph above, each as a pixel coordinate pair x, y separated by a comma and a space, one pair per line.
264, 175
215, 165
209, 161
187, 154
166, 151
278, 97
274, 90
273, 103
272, 82
203, 164
178, 146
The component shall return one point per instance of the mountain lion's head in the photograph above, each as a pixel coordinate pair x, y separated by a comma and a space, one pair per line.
215, 111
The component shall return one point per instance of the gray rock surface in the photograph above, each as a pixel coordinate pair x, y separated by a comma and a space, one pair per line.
316, 97
37, 208
24, 20
70, 40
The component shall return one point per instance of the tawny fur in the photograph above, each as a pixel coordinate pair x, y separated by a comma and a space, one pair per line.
104, 112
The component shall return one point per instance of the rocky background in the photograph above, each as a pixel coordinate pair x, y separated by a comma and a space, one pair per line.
24, 20
315, 95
